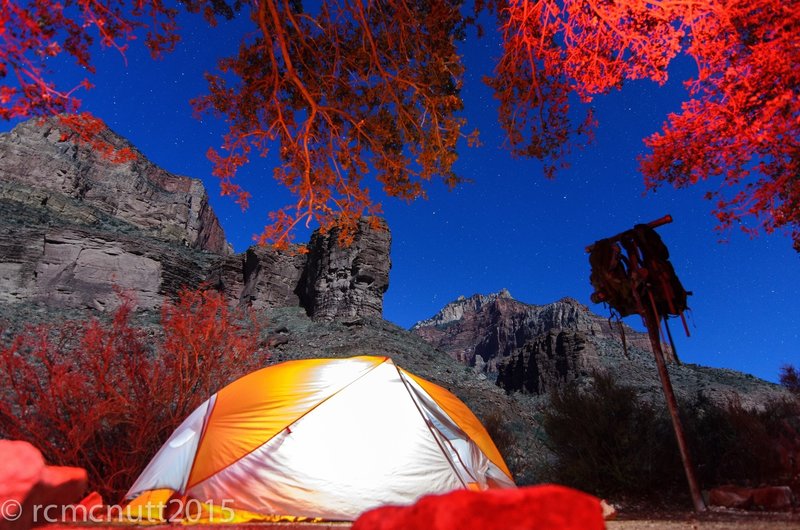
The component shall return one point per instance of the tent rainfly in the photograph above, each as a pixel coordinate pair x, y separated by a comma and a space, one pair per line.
324, 438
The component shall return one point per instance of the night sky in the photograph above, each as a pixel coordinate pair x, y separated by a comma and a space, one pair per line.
510, 227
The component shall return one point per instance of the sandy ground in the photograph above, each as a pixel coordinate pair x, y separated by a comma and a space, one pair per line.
712, 520
704, 525
715, 520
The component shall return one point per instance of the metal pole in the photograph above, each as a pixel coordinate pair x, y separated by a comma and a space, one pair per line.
647, 309
652, 323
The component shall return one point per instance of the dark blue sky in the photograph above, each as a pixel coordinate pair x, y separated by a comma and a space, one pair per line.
509, 228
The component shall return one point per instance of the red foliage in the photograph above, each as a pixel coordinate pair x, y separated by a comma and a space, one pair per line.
350, 89
35, 32
554, 49
87, 130
742, 122
546, 507
105, 396
344, 89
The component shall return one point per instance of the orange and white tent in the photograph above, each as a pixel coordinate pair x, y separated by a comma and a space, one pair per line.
325, 438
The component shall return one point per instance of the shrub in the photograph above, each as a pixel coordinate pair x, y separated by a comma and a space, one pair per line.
499, 432
105, 396
609, 441
790, 378
606, 440
732, 444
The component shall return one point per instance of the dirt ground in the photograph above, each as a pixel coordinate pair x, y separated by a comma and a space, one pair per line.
712, 520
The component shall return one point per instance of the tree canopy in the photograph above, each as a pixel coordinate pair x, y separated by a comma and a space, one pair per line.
342, 89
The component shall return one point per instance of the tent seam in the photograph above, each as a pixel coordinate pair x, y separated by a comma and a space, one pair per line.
206, 419
430, 428
467, 435
276, 434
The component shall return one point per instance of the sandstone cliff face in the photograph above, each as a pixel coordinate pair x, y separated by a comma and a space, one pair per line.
62, 253
482, 330
76, 228
40, 155
548, 362
535, 349
260, 277
347, 282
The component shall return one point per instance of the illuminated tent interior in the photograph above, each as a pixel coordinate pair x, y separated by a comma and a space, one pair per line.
323, 439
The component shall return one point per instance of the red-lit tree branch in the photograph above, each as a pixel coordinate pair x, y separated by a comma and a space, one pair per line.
355, 88
741, 124
342, 89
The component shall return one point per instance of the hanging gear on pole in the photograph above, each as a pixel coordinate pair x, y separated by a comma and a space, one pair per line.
631, 272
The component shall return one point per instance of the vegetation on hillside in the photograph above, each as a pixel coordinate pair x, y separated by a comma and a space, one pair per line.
106, 395
611, 442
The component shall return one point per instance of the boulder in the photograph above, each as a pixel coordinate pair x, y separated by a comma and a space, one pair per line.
773, 498
768, 498
547, 507
731, 497
22, 467
32, 493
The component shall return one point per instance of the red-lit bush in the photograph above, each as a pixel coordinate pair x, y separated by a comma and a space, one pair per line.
106, 395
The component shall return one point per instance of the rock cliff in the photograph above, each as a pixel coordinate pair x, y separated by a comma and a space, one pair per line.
40, 154
77, 227
347, 282
547, 362
483, 330
535, 349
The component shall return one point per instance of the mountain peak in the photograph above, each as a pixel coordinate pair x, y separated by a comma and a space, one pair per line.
456, 309
482, 330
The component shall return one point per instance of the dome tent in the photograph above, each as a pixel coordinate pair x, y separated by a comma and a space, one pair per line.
325, 438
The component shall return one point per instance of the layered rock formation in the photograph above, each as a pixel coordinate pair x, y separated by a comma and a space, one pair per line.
329, 281
483, 330
40, 154
535, 349
77, 228
347, 282
547, 362
63, 252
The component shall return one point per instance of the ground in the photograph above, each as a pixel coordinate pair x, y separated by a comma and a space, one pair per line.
713, 520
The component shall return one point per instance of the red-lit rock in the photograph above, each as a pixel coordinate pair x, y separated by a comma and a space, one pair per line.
547, 507
32, 493
22, 467
89, 509
609, 510
731, 497
773, 498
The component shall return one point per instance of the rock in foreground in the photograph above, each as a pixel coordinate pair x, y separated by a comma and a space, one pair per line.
32, 493
545, 507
